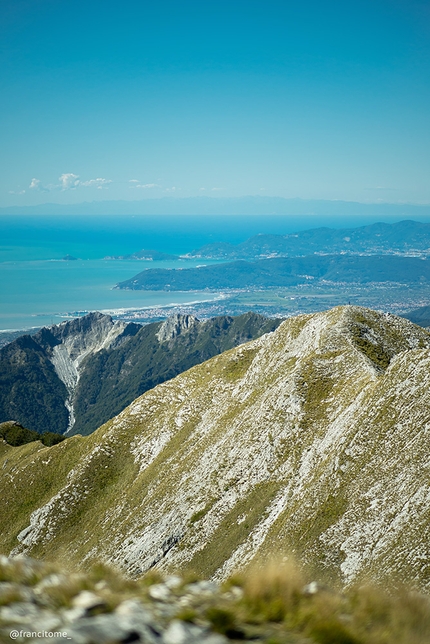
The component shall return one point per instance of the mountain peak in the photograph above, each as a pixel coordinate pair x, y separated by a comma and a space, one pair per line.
176, 325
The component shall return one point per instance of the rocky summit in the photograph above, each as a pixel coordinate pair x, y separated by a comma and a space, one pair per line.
311, 440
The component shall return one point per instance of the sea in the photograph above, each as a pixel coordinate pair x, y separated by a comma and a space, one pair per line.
39, 288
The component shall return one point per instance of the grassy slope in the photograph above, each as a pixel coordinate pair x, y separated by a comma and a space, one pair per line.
293, 442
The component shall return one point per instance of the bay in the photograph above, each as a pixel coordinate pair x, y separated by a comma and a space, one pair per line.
38, 288
41, 293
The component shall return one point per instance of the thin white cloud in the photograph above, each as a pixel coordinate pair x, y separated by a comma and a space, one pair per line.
16, 192
144, 186
216, 189
69, 181
172, 189
35, 184
202, 188
96, 183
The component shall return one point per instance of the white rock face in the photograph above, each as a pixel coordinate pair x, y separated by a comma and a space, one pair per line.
311, 440
176, 325
79, 339
65, 367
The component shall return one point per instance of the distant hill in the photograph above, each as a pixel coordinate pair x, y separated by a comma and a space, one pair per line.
419, 316
283, 272
77, 375
311, 440
405, 237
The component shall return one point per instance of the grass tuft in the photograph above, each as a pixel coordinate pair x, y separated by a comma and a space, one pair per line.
273, 591
224, 621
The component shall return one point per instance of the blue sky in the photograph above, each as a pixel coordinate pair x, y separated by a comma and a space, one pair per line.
137, 99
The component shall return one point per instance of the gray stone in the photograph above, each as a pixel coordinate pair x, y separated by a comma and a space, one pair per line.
176, 325
88, 601
172, 581
104, 629
49, 582
312, 588
202, 588
46, 621
21, 612
68, 639
182, 633
215, 638
149, 632
133, 607
73, 614
160, 592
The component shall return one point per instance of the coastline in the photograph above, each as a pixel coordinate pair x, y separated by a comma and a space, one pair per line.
132, 313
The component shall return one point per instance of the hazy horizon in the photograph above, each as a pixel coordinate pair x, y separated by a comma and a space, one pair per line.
218, 206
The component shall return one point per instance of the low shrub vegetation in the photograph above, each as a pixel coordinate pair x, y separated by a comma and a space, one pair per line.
15, 434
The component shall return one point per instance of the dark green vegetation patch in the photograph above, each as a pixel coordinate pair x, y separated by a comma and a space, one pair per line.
30, 390
15, 434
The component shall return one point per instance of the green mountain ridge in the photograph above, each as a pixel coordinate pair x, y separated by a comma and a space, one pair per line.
312, 440
75, 376
265, 273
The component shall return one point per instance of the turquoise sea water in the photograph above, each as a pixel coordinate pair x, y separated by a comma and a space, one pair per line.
37, 288
44, 292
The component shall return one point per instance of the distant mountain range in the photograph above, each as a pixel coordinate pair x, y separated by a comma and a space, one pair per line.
311, 440
404, 237
282, 272
75, 376
251, 205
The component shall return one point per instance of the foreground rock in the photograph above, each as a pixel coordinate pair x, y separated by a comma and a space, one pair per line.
40, 603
